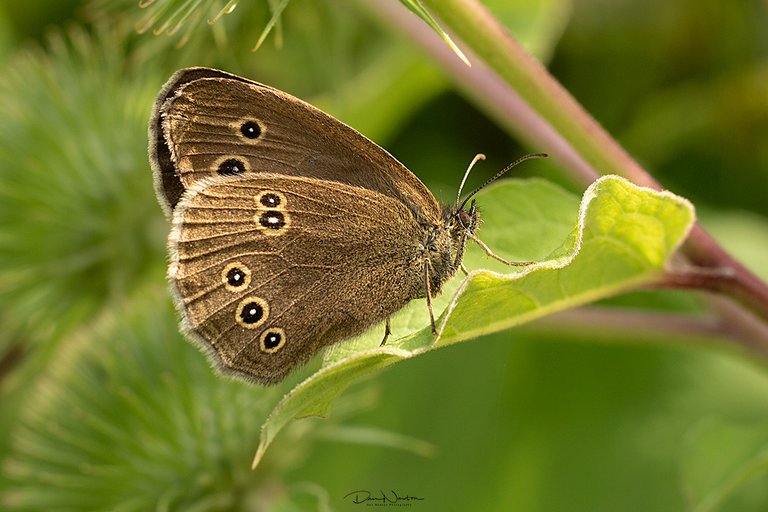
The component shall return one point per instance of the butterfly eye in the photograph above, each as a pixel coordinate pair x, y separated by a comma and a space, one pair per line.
251, 130
252, 312
272, 340
464, 218
272, 219
236, 276
231, 167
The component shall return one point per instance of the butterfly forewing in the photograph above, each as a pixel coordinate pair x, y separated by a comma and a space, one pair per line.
212, 123
269, 268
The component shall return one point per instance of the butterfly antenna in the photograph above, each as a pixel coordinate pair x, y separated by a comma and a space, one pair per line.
477, 158
497, 175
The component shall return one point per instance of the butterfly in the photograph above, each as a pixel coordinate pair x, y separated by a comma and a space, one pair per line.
291, 231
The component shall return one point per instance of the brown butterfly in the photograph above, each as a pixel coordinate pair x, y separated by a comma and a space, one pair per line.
291, 230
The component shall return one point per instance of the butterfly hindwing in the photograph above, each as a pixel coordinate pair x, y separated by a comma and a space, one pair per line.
269, 268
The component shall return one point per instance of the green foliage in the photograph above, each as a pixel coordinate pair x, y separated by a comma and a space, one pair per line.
172, 17
82, 228
128, 417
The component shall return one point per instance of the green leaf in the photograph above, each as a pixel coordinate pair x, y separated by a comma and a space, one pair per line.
416, 7
623, 237
315, 396
274, 21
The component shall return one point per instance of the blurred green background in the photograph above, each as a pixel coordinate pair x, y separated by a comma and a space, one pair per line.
104, 406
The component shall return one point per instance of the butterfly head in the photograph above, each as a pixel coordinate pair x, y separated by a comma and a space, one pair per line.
467, 220
460, 221
445, 243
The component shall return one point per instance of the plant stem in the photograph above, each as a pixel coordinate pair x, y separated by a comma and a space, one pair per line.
491, 42
519, 92
487, 89
731, 282
605, 322
740, 284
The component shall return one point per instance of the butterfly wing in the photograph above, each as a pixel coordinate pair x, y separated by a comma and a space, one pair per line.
208, 122
168, 185
270, 268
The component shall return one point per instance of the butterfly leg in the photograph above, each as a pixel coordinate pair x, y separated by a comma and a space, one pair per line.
387, 332
464, 269
490, 253
428, 289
